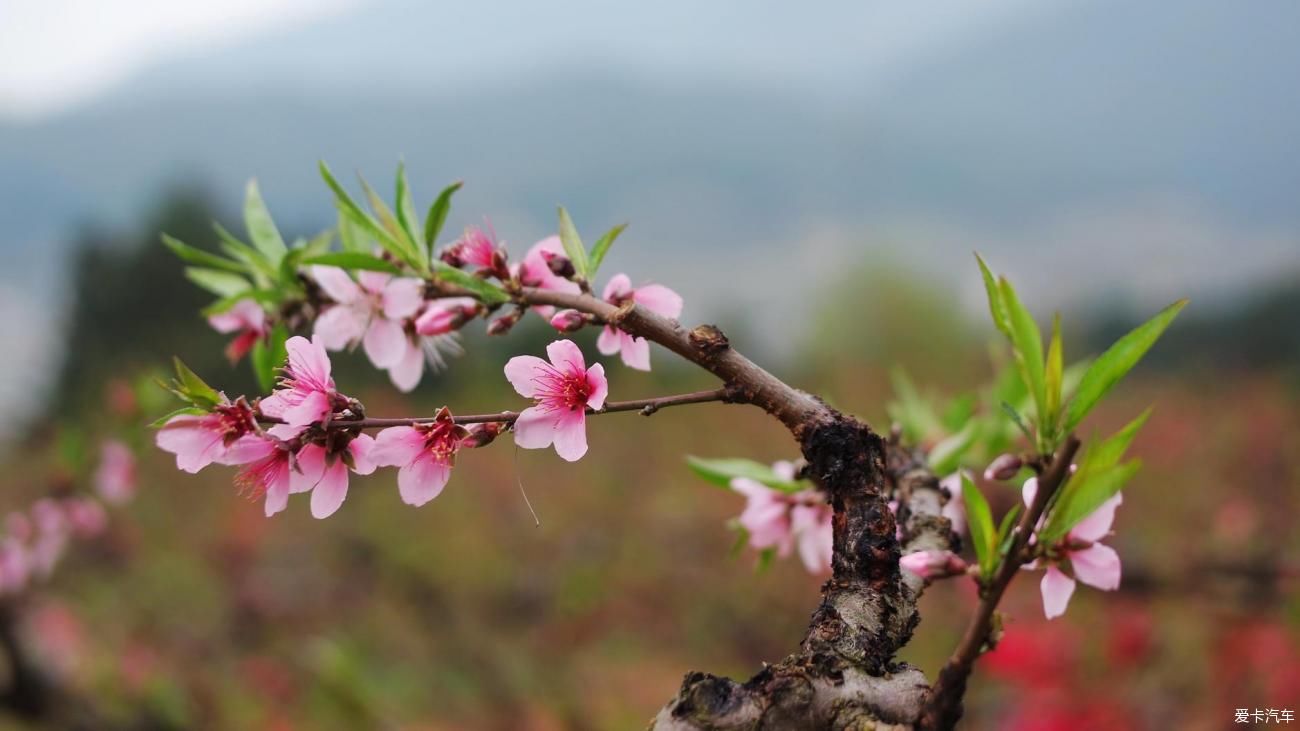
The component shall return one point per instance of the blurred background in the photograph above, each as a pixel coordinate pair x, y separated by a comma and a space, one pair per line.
813, 179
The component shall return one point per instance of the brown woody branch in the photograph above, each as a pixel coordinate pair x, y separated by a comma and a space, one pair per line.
943, 705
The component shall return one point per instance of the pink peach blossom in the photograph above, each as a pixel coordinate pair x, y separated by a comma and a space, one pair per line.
51, 536
955, 509
654, 297
115, 476
564, 389
86, 517
306, 391
267, 463
783, 521
1080, 554
373, 311
199, 440
479, 249
425, 454
14, 566
534, 271
248, 319
326, 475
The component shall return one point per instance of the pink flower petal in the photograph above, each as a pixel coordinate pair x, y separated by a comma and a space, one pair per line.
814, 534
635, 352
340, 326
1056, 588
248, 448
659, 300
361, 449
397, 446
403, 297
385, 342
1097, 525
609, 340
277, 490
406, 374
535, 428
597, 386
311, 466
192, 439
336, 283
571, 435
422, 480
373, 282
1097, 566
330, 492
522, 372
618, 287
309, 361
566, 356
310, 410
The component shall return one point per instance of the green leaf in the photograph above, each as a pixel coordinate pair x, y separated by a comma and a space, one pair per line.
268, 356
257, 263
1027, 342
216, 281
364, 221
487, 292
195, 389
601, 247
351, 238
406, 215
199, 256
997, 309
1005, 528
1053, 383
912, 411
437, 216
261, 229
187, 410
1112, 365
1111, 451
353, 260
573, 246
722, 471
946, 455
1084, 493
980, 521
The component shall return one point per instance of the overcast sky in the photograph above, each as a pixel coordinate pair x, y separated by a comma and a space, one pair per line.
54, 53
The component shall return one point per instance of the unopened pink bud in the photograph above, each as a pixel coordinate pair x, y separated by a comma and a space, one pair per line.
502, 325
481, 435
1003, 468
567, 321
559, 264
933, 564
86, 517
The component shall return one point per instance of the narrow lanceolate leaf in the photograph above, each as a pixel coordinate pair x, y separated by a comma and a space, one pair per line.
437, 216
363, 221
722, 471
1111, 451
261, 229
487, 292
411, 252
1112, 365
601, 247
1085, 492
194, 255
353, 260
573, 246
267, 356
216, 281
1027, 342
350, 237
257, 262
406, 214
980, 520
997, 309
1005, 534
193, 388
1053, 381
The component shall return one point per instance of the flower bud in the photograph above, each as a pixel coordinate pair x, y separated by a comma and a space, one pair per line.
481, 435
452, 256
502, 325
567, 321
933, 564
1003, 468
559, 264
